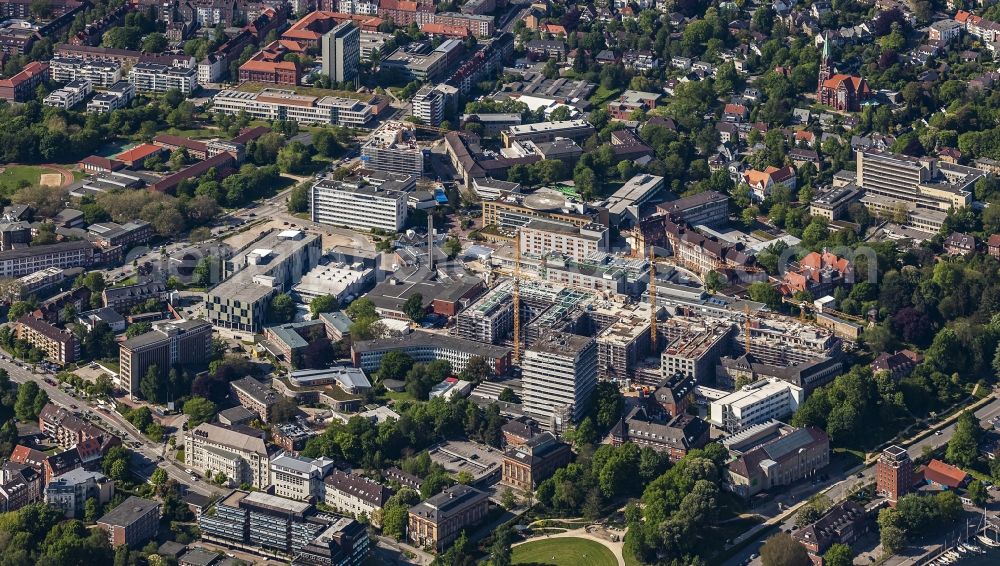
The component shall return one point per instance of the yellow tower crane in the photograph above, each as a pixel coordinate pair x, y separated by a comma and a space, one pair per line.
652, 302
517, 297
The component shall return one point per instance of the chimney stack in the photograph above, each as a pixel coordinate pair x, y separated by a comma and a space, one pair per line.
430, 243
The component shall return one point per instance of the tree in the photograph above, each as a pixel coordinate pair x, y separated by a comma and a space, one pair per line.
977, 493
29, 397
151, 386
500, 549
294, 158
476, 369
138, 328
325, 303
394, 365
962, 448
198, 410
713, 281
782, 550
763, 292
19, 309
452, 247
282, 309
298, 199
159, 477
90, 510
838, 555
413, 307
155, 42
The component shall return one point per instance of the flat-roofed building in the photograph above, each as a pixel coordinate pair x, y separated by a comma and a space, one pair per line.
101, 74
300, 478
132, 522
696, 351
543, 237
185, 343
241, 457
492, 122
359, 206
559, 374
261, 269
426, 347
341, 48
832, 204
157, 78
437, 522
923, 182
27, 260
577, 130
278, 104
393, 148
710, 208
756, 403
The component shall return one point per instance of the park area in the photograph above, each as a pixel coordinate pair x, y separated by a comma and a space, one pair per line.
562, 552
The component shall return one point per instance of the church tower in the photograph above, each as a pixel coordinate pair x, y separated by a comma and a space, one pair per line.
825, 71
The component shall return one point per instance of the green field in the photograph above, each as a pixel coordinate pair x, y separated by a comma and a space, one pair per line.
563, 552
13, 175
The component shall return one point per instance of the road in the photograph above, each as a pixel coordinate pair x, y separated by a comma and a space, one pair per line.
845, 485
145, 453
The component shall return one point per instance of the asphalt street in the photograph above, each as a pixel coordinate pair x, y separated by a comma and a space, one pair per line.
145, 452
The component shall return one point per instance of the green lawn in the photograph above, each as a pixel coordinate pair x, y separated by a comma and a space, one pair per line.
563, 552
602, 95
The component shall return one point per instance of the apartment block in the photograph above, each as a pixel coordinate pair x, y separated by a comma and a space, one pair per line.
559, 374
299, 478
756, 403
119, 95
263, 268
60, 346
132, 522
428, 105
157, 78
437, 522
341, 48
212, 449
65, 428
69, 492
127, 296
393, 148
358, 205
278, 104
24, 287
183, 343
100, 73
21, 87
543, 237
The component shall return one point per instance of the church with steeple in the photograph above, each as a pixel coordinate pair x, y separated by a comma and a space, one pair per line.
837, 90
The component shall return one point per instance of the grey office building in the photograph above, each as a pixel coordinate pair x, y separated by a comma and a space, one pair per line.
341, 52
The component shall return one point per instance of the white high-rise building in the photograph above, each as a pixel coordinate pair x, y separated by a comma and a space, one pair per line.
341, 52
428, 105
756, 403
358, 206
558, 376
297, 477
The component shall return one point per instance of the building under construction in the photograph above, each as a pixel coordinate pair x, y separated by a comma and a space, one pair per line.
622, 345
694, 347
491, 318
